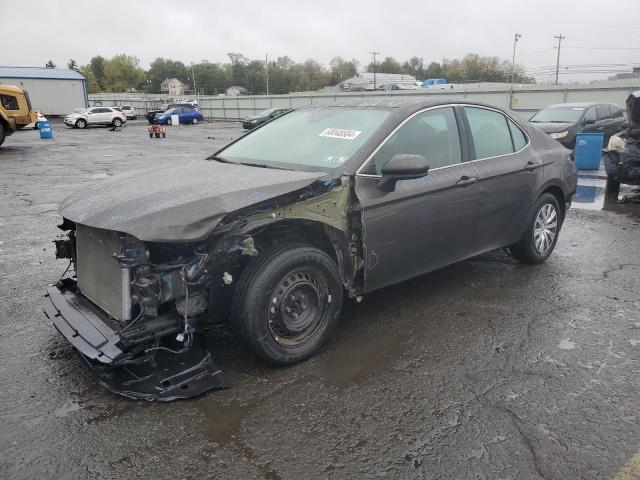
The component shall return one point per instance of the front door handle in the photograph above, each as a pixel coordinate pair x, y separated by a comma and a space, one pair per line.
466, 180
531, 166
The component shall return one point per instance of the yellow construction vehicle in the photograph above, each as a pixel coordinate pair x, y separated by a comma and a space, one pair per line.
15, 110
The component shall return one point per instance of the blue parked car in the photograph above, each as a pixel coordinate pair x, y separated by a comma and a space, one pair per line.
186, 115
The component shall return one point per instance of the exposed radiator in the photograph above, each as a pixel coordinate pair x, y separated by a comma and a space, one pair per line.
100, 279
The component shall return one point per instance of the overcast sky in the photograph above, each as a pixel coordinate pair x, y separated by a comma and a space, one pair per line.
596, 32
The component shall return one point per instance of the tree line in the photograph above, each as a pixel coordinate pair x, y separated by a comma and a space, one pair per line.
122, 73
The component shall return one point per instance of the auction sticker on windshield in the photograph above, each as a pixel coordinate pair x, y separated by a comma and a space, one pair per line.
343, 133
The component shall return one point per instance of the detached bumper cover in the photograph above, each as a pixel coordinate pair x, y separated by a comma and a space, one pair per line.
623, 165
74, 318
163, 376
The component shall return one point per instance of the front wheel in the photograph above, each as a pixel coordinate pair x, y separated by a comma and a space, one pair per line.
81, 123
194, 121
287, 302
117, 122
168, 121
541, 236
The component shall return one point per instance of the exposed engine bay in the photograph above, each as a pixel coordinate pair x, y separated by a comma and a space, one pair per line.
136, 310
622, 156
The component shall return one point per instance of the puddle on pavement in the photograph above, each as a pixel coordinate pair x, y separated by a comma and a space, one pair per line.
223, 421
592, 194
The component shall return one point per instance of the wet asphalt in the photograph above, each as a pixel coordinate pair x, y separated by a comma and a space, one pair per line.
487, 369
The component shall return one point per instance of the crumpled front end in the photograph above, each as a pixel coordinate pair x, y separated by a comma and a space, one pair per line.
132, 311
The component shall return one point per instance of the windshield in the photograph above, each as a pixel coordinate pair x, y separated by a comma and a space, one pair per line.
558, 115
314, 139
80, 110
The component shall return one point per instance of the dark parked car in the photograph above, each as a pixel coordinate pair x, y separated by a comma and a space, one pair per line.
565, 120
151, 114
334, 200
622, 158
185, 115
253, 121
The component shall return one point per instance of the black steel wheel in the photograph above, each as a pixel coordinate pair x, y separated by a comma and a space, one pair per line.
287, 302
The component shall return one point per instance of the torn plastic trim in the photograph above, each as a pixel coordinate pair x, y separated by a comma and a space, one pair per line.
331, 203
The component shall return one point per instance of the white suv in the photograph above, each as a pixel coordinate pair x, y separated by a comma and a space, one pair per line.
95, 116
129, 111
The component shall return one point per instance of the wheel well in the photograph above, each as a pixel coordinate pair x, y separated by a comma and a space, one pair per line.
557, 192
289, 231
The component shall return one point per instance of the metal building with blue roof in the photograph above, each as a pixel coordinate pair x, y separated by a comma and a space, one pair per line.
53, 91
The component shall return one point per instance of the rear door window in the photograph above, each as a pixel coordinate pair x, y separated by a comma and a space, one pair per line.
490, 132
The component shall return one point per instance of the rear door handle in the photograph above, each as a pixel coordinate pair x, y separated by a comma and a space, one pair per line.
531, 166
466, 180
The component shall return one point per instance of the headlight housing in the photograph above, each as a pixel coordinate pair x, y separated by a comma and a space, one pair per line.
558, 135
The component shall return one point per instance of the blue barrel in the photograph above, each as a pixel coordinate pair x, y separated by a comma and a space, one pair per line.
588, 150
45, 130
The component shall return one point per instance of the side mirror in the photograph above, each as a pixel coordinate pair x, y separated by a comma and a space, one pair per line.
402, 167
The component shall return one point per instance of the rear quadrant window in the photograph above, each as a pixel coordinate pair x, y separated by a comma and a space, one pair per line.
490, 132
519, 139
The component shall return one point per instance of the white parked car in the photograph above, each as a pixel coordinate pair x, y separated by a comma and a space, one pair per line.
129, 112
95, 116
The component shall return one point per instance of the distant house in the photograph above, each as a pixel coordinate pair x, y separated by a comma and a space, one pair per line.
364, 81
172, 86
236, 91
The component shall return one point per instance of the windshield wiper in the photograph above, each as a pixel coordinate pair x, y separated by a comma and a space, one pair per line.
262, 165
220, 159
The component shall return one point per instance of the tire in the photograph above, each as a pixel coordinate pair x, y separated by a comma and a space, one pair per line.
287, 302
81, 123
35, 126
117, 122
157, 135
194, 121
168, 121
164, 135
2, 135
151, 135
538, 242
613, 186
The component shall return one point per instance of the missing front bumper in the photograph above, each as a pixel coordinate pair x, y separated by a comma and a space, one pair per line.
163, 375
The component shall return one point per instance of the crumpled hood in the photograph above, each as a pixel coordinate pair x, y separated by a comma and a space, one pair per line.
553, 127
178, 203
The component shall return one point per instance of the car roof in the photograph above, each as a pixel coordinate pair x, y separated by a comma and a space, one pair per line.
576, 105
401, 105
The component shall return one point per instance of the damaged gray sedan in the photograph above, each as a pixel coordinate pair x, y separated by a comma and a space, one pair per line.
274, 230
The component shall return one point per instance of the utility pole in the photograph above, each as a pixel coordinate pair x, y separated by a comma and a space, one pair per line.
193, 76
560, 38
266, 66
374, 53
516, 37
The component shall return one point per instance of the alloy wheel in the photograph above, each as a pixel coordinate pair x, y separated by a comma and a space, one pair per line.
545, 228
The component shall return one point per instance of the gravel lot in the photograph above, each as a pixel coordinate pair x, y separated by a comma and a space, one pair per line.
487, 369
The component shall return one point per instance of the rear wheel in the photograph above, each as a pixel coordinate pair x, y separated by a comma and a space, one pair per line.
194, 121
287, 302
81, 123
541, 236
168, 121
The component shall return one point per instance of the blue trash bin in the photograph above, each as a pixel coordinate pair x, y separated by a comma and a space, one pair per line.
588, 150
45, 130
